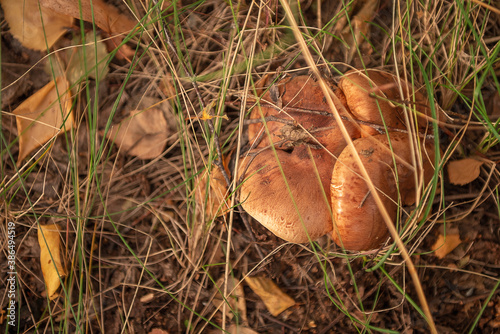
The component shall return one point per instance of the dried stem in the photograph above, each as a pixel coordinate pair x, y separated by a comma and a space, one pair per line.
380, 128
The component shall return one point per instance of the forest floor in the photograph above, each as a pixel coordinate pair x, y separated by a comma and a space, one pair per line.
141, 253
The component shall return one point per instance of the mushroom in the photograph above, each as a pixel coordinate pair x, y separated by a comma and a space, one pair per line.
289, 193
374, 96
293, 183
297, 210
358, 224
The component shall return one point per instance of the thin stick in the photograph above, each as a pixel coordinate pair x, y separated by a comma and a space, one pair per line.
271, 118
380, 128
394, 233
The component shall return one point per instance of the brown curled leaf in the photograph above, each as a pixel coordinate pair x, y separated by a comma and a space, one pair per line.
106, 16
36, 28
143, 134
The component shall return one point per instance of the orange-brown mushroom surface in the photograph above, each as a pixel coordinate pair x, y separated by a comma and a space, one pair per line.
301, 181
288, 192
297, 113
358, 224
378, 97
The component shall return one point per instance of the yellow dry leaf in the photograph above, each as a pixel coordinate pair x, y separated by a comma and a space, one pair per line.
43, 116
25, 21
464, 171
106, 16
143, 134
445, 245
50, 257
273, 297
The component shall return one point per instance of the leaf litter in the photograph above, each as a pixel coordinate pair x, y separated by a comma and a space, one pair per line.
273, 297
143, 134
82, 61
106, 16
464, 171
445, 244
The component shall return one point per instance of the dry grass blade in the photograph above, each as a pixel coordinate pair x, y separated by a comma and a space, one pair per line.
489, 7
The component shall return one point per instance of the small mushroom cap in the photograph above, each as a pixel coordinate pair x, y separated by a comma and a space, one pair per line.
373, 95
277, 205
358, 222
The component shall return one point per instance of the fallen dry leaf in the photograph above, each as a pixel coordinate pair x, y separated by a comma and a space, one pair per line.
25, 21
43, 116
216, 203
273, 297
143, 134
82, 61
236, 298
50, 257
106, 16
464, 171
446, 244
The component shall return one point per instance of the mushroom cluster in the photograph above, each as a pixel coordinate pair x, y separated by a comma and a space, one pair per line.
300, 178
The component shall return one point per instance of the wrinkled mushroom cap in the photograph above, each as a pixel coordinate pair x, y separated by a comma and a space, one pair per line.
300, 100
358, 86
281, 189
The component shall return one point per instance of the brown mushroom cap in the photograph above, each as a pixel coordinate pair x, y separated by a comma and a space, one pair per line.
359, 224
301, 101
385, 102
265, 196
